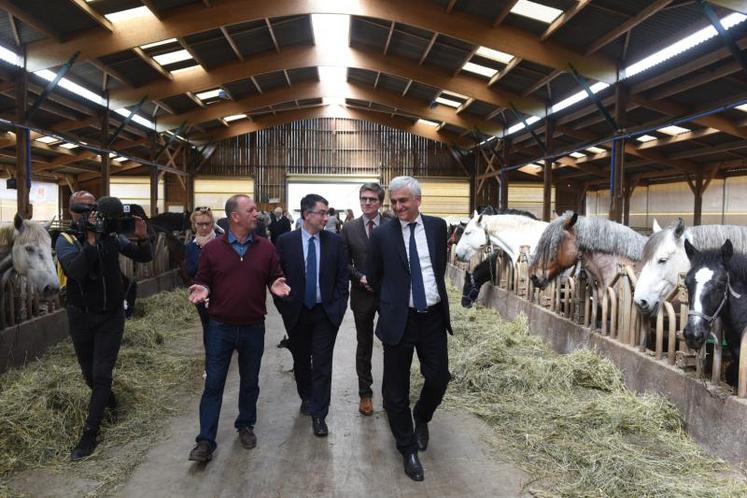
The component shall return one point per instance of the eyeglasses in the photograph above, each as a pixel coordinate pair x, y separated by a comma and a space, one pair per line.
203, 209
369, 200
205, 224
320, 213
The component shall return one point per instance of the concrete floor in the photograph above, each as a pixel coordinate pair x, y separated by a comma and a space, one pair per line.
358, 458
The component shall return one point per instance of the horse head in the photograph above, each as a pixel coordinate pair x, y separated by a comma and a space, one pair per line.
663, 259
556, 250
473, 238
32, 256
708, 290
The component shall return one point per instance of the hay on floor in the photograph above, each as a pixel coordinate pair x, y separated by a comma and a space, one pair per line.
570, 421
43, 405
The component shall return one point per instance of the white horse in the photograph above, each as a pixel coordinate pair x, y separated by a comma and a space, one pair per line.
26, 247
664, 257
507, 231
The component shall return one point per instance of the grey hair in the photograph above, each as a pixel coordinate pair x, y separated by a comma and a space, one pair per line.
233, 202
79, 193
400, 182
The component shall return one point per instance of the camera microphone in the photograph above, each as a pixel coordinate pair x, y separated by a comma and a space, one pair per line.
110, 208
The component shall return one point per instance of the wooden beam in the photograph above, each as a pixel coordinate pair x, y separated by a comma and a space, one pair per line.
152, 63
735, 5
87, 10
272, 35
197, 79
505, 11
153, 8
35, 23
648, 11
14, 29
563, 18
419, 13
232, 43
389, 37
428, 49
450, 6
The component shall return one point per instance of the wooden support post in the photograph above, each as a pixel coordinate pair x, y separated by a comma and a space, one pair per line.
630, 185
503, 204
473, 184
189, 195
154, 177
617, 173
23, 149
581, 199
106, 161
547, 173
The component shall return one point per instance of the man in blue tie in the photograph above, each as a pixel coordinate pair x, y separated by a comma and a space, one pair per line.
315, 263
406, 267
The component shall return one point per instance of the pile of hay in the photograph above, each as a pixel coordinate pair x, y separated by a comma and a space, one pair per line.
43, 405
569, 419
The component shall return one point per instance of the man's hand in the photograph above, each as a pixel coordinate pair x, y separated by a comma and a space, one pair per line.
279, 288
141, 231
198, 293
364, 283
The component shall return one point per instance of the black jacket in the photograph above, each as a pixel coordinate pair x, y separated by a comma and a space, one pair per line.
94, 278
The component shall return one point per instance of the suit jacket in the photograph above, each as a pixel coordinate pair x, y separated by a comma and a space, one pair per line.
389, 274
333, 276
356, 242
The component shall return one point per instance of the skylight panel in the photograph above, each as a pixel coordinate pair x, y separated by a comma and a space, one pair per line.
495, 55
136, 118
448, 102
646, 138
47, 139
333, 100
428, 122
69, 146
332, 74
172, 57
478, 69
11, 57
673, 130
682, 45
577, 97
208, 94
536, 11
234, 117
158, 43
126, 15
186, 69
742, 107
577, 155
72, 87
331, 33
596, 150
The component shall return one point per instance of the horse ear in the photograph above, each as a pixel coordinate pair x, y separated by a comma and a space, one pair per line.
572, 221
18, 222
656, 227
479, 219
475, 213
690, 250
727, 251
463, 224
679, 228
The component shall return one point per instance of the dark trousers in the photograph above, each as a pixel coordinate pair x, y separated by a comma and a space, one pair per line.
221, 341
364, 327
312, 342
96, 339
426, 334
205, 320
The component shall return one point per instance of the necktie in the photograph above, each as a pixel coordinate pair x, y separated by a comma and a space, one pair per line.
309, 298
416, 275
371, 226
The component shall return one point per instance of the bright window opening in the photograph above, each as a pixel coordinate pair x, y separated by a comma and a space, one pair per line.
742, 107
158, 43
234, 117
69, 146
172, 57
46, 139
208, 94
646, 138
577, 155
673, 130
428, 122
595, 150
448, 102
495, 55
536, 11
126, 15
478, 69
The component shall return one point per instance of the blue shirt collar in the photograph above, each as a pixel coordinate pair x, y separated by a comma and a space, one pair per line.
306, 235
232, 238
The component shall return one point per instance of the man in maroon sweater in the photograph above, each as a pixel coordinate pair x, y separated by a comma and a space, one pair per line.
234, 271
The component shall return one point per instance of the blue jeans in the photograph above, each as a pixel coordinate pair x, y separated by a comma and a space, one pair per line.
220, 342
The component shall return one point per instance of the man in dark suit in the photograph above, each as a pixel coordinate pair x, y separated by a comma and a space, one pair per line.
315, 263
363, 301
406, 267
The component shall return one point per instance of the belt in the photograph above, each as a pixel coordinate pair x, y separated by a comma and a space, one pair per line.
429, 309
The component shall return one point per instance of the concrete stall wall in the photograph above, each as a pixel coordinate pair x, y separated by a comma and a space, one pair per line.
31, 339
713, 420
723, 203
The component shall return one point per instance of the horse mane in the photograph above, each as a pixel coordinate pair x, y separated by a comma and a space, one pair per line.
32, 232
7, 235
489, 221
593, 235
518, 212
702, 237
485, 269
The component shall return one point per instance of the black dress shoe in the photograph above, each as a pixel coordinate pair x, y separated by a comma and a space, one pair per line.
305, 407
320, 426
413, 467
201, 453
86, 445
421, 435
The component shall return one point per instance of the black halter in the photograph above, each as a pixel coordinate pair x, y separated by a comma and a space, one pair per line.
473, 292
710, 318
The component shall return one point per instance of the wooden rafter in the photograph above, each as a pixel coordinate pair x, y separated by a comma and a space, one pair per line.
648, 11
85, 7
563, 18
232, 43
505, 11
152, 63
272, 35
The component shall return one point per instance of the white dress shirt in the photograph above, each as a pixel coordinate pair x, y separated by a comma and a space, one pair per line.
426, 265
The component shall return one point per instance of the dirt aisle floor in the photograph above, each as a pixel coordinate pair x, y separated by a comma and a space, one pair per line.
357, 459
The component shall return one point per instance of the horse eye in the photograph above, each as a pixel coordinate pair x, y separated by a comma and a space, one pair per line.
663, 260
29, 249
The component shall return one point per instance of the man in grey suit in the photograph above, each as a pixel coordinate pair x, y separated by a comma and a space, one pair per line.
363, 301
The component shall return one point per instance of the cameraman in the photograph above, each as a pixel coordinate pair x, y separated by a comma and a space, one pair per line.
95, 297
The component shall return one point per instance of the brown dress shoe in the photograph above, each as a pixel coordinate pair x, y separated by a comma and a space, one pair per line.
247, 437
366, 406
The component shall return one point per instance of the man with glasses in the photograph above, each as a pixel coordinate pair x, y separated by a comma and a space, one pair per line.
363, 301
315, 262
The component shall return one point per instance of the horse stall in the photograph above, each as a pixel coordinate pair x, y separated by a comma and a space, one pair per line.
31, 323
650, 351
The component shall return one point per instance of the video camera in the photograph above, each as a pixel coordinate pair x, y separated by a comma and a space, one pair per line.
111, 217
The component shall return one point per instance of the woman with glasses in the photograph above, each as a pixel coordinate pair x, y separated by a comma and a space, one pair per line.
203, 226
